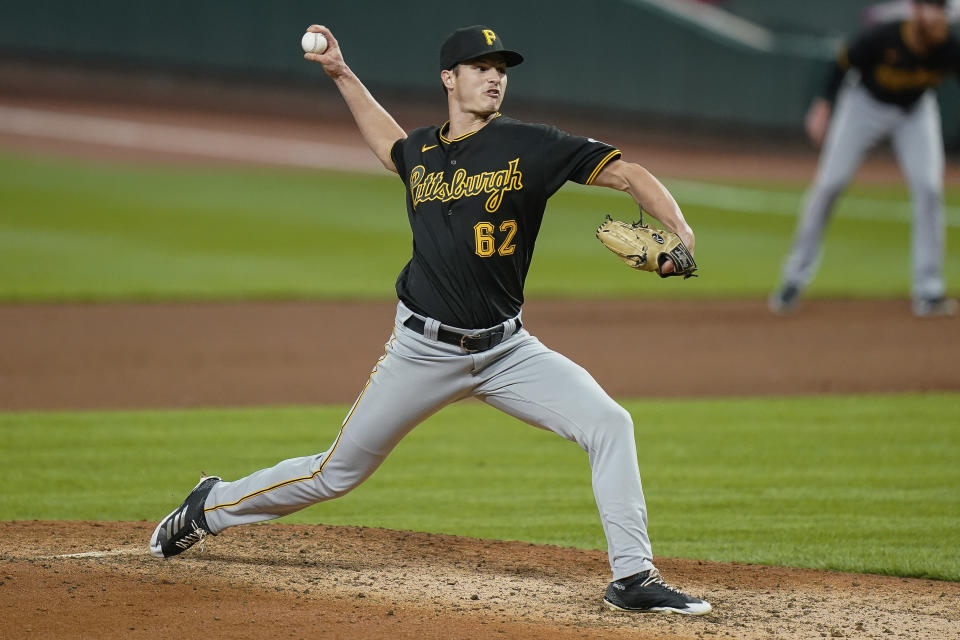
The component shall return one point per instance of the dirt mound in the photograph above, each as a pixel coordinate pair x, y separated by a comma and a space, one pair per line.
304, 581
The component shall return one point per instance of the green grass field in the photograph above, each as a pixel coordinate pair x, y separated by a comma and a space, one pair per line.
89, 231
858, 483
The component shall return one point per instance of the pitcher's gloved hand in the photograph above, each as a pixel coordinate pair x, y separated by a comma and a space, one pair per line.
645, 248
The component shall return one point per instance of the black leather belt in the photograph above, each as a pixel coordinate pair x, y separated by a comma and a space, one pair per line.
471, 343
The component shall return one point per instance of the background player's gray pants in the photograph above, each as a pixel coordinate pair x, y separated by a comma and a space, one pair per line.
415, 378
859, 123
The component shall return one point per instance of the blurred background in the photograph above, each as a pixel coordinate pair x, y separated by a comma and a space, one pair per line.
734, 67
710, 96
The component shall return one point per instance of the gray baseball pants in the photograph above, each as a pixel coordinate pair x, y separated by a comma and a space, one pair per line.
858, 124
416, 377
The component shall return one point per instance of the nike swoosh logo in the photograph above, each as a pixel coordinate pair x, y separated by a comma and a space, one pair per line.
426, 148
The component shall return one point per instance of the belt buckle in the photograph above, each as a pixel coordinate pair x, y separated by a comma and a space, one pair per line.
466, 337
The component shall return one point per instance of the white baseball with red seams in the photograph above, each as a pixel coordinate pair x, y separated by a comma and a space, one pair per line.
313, 42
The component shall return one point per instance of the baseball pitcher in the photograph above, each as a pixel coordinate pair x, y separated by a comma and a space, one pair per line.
475, 190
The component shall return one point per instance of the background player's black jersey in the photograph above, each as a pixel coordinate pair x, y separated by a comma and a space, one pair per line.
475, 205
890, 70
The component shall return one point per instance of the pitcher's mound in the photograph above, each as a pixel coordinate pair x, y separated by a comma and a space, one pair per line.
96, 579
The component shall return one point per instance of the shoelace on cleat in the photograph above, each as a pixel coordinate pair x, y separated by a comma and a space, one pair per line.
197, 535
655, 578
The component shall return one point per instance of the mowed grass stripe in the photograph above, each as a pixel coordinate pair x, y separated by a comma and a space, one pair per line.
99, 231
317, 155
856, 483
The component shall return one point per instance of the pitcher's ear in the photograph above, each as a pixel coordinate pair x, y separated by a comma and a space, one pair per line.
446, 77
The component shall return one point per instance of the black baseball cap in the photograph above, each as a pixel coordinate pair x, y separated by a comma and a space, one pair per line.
472, 42
939, 3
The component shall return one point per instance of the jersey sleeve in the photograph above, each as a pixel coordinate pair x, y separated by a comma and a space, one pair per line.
865, 49
569, 157
834, 77
861, 53
396, 154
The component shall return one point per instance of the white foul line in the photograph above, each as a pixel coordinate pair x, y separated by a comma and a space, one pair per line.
782, 203
116, 132
128, 551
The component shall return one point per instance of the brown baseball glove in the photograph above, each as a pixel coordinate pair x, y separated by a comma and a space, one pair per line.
645, 248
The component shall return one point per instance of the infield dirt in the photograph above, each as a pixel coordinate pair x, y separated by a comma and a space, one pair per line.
297, 581
241, 354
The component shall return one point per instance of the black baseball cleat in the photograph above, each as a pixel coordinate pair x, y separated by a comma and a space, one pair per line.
647, 592
785, 300
935, 307
184, 526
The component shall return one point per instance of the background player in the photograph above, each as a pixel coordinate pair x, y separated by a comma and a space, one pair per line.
476, 190
898, 64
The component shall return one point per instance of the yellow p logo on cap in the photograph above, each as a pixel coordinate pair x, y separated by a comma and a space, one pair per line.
490, 36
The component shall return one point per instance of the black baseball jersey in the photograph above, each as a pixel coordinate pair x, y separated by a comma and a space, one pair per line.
475, 205
890, 70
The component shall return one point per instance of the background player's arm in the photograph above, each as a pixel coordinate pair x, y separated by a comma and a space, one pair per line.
649, 193
858, 54
378, 128
817, 119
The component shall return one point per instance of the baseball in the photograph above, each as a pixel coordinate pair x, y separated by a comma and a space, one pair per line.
313, 42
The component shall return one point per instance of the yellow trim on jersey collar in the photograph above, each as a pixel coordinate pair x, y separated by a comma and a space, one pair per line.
466, 135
